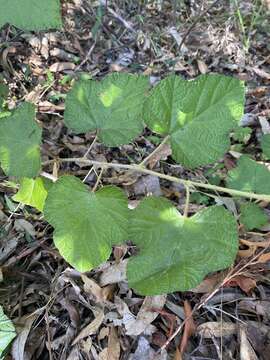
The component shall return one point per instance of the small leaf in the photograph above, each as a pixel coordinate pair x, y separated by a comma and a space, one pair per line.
249, 176
265, 143
86, 224
20, 138
3, 93
33, 192
112, 106
31, 14
7, 332
198, 114
252, 216
175, 252
242, 134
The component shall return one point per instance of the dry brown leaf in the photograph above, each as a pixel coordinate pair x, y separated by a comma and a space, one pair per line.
245, 283
162, 154
177, 355
146, 314
113, 345
114, 273
91, 328
190, 326
246, 350
62, 66
202, 66
210, 283
264, 258
218, 329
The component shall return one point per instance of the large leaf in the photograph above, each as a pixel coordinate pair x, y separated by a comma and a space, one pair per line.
33, 192
20, 138
31, 14
249, 176
198, 115
175, 252
112, 106
86, 224
7, 332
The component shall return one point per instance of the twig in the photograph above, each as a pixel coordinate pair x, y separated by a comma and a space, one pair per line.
138, 168
187, 201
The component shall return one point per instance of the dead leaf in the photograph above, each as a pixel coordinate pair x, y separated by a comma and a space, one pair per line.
113, 345
210, 283
62, 66
264, 258
146, 314
202, 66
19, 343
246, 350
245, 283
91, 328
114, 273
218, 329
162, 154
190, 327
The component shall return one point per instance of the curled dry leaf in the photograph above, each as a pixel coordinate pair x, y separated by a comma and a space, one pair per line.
91, 328
245, 283
218, 329
146, 314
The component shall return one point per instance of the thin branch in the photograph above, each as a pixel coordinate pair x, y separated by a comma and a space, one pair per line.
187, 201
138, 168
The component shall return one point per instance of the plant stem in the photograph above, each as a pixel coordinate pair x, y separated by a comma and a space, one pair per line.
189, 183
160, 146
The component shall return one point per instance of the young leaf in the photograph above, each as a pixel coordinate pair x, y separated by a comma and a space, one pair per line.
86, 224
197, 114
20, 137
31, 14
33, 192
175, 252
249, 176
7, 332
252, 216
112, 106
265, 143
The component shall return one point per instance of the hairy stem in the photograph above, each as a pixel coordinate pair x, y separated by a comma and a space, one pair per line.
187, 183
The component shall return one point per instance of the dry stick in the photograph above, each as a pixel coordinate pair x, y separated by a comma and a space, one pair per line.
187, 183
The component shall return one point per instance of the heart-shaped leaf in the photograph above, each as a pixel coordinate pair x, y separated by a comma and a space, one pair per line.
86, 224
249, 176
31, 14
112, 106
198, 115
20, 138
7, 332
33, 192
175, 252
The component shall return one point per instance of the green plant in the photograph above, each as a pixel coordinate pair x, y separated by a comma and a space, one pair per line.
7, 332
196, 117
31, 14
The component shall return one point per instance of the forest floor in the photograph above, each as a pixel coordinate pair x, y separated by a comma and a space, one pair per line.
62, 314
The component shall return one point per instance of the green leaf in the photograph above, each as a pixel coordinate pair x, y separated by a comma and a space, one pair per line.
249, 176
20, 138
242, 134
86, 224
7, 332
3, 93
175, 252
252, 216
33, 192
31, 14
265, 143
112, 106
198, 114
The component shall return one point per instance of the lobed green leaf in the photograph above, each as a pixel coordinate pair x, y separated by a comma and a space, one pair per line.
31, 14
249, 176
20, 138
175, 252
86, 224
197, 114
252, 216
112, 106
